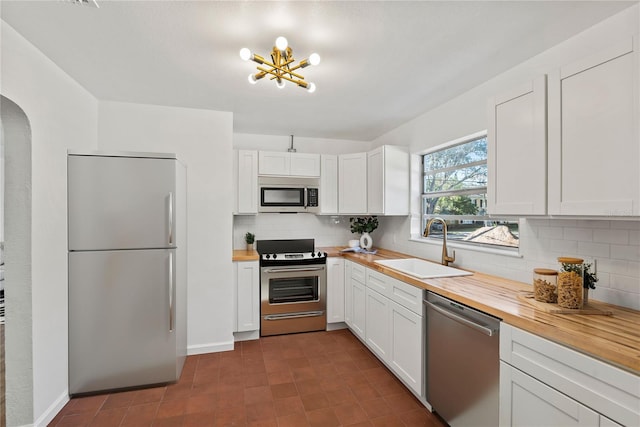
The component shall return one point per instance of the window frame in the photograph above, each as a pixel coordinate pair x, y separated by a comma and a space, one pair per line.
424, 217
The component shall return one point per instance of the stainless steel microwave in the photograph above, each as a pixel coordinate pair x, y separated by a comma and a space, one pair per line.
288, 194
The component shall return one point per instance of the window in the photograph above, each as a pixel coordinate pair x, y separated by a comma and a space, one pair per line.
455, 189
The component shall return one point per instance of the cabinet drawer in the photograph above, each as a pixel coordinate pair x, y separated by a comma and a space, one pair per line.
358, 272
378, 282
405, 294
604, 388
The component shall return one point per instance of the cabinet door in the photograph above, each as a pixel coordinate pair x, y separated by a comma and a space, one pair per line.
335, 290
247, 296
525, 401
358, 311
247, 182
329, 184
348, 294
375, 181
352, 183
517, 151
406, 348
594, 150
377, 323
304, 164
274, 163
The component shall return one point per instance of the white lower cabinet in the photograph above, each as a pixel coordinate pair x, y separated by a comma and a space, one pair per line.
335, 290
543, 383
525, 401
386, 314
377, 323
246, 296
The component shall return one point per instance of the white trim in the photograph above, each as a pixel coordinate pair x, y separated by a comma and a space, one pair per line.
52, 410
458, 141
209, 348
514, 253
246, 335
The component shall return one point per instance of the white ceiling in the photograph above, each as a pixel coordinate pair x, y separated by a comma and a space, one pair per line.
383, 62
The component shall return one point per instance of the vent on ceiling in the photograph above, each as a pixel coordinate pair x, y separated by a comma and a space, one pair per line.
92, 3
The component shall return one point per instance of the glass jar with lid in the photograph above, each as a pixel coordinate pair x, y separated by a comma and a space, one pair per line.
545, 285
570, 282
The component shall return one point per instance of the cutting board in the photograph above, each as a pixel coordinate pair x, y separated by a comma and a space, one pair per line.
555, 309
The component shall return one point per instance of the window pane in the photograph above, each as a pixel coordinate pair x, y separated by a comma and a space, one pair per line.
457, 155
482, 232
474, 204
459, 179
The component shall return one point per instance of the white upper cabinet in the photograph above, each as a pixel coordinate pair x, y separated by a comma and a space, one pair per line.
352, 183
288, 164
517, 151
329, 184
246, 181
594, 147
388, 181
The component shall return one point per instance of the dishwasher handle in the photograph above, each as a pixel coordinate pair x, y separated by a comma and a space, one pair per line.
453, 316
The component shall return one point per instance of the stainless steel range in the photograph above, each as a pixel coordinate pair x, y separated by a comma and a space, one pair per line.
293, 287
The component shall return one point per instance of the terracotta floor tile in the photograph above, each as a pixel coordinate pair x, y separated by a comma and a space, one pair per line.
350, 413
140, 415
310, 386
172, 408
280, 377
364, 392
200, 419
119, 400
315, 401
323, 418
320, 379
279, 391
257, 394
201, 404
295, 420
260, 411
175, 421
288, 406
376, 407
108, 417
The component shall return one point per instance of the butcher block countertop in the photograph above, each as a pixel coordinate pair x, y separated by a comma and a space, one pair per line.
614, 339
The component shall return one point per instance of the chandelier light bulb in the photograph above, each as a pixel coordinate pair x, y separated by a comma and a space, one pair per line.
311, 88
245, 54
280, 84
281, 43
314, 59
252, 79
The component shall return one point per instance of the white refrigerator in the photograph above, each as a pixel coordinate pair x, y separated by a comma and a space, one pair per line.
127, 270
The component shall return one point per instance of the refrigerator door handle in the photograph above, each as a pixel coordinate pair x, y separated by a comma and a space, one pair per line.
170, 218
171, 317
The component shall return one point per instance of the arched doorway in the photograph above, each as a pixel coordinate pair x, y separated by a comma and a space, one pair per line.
15, 137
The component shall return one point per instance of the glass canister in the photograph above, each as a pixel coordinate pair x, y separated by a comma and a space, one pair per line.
545, 285
570, 282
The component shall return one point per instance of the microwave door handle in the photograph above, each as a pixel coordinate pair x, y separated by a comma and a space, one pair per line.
306, 198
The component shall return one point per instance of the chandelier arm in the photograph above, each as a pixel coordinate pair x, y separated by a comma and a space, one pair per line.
281, 70
300, 82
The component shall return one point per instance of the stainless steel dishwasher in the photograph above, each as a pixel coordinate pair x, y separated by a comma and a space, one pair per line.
463, 363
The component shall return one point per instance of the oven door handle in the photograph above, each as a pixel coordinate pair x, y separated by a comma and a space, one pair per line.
293, 270
293, 315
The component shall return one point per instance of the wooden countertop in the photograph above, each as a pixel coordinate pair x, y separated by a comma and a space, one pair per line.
614, 339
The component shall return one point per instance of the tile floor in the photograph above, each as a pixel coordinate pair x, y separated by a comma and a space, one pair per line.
321, 379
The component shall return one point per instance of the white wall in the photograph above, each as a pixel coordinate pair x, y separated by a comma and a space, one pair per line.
62, 115
326, 230
202, 140
615, 245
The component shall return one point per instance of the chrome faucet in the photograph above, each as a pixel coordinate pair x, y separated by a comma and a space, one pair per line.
446, 259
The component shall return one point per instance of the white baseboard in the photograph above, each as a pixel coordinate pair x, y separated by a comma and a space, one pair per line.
246, 336
336, 326
209, 348
52, 410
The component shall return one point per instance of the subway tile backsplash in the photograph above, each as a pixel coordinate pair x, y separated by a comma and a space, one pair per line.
615, 245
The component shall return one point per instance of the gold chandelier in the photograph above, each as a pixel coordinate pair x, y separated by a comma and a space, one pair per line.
280, 68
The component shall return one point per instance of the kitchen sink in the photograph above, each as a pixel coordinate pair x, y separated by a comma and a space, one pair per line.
422, 269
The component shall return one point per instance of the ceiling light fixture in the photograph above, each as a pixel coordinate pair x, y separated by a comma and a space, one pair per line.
280, 67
